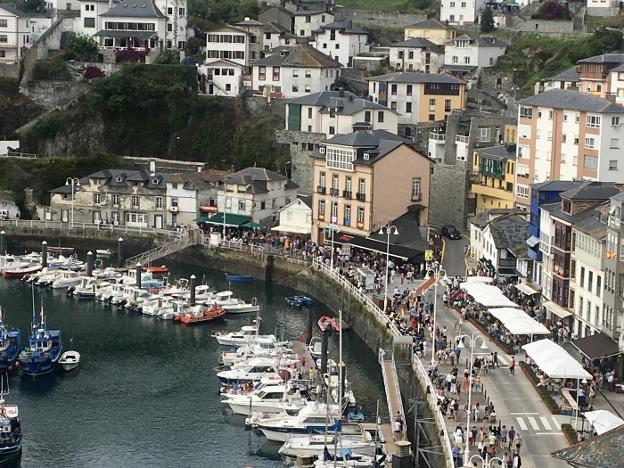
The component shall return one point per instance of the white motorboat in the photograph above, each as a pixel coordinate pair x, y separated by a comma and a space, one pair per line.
108, 273
315, 347
314, 445
66, 279
247, 334
69, 360
265, 398
250, 371
266, 348
103, 253
231, 305
86, 289
354, 461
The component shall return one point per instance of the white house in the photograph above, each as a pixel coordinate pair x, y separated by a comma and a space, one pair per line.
181, 200
255, 192
473, 51
416, 54
88, 23
460, 11
276, 35
341, 40
565, 80
228, 42
8, 208
220, 78
603, 7
296, 217
176, 12
14, 33
294, 71
306, 21
334, 112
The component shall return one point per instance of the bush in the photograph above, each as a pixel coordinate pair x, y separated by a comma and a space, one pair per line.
81, 48
487, 21
552, 10
569, 433
169, 57
130, 55
92, 72
52, 68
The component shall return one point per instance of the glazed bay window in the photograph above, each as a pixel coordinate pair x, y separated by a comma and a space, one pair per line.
590, 163
592, 121
526, 112
340, 158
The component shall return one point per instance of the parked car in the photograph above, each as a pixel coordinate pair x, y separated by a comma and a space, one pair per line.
450, 232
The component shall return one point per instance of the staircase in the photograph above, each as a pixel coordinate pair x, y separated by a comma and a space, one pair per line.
161, 251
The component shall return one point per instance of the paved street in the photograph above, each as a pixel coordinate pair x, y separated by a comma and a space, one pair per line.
453, 261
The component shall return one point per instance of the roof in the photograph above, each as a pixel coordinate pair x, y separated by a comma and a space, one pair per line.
345, 27
256, 179
567, 75
249, 22
592, 191
603, 451
415, 77
11, 8
312, 12
419, 43
453, 67
346, 102
135, 9
224, 61
123, 178
565, 99
428, 24
556, 185
604, 58
592, 224
272, 27
370, 244
482, 219
499, 153
298, 55
597, 346
482, 41
510, 232
409, 232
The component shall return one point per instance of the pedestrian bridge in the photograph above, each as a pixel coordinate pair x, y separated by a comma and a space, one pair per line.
393, 395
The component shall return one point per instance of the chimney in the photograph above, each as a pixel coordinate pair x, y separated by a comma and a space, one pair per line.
152, 166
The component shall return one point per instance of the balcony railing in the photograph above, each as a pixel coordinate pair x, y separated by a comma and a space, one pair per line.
438, 137
334, 192
461, 139
320, 189
347, 194
360, 196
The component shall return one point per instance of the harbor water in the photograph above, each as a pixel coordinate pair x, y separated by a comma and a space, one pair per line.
146, 393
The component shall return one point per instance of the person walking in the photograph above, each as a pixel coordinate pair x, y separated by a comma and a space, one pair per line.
512, 366
511, 435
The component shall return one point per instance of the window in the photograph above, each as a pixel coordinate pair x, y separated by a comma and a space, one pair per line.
348, 184
408, 90
4, 38
447, 105
362, 186
614, 143
393, 105
97, 198
170, 11
367, 116
526, 112
135, 201
415, 188
613, 165
295, 88
360, 216
522, 191
380, 116
321, 207
408, 107
295, 73
115, 199
590, 163
308, 18
340, 157
308, 74
347, 215
307, 88
334, 212
590, 143
431, 102
590, 280
4, 23
158, 202
335, 182
592, 121
431, 117
467, 60
522, 170
615, 121
598, 285
393, 89
241, 205
276, 73
88, 22
454, 59
262, 73
322, 179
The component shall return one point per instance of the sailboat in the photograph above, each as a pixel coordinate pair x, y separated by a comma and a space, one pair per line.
10, 426
44, 348
10, 341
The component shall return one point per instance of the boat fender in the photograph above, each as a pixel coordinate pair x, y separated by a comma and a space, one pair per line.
3, 411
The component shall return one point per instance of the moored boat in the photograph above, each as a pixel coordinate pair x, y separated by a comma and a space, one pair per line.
10, 428
69, 360
200, 314
18, 272
10, 341
247, 334
44, 349
234, 278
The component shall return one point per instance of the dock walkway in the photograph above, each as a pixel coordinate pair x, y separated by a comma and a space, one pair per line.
395, 404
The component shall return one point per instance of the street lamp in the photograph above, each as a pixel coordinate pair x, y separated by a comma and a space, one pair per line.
73, 182
473, 342
437, 276
387, 229
487, 463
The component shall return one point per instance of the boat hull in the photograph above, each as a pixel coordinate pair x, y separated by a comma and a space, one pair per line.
10, 453
283, 434
241, 310
37, 368
256, 407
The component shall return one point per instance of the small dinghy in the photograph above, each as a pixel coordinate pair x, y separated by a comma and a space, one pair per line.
69, 360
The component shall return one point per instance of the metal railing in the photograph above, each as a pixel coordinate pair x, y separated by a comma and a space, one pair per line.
160, 251
65, 226
392, 393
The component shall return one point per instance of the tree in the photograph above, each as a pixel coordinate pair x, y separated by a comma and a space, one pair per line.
81, 48
487, 21
606, 40
31, 5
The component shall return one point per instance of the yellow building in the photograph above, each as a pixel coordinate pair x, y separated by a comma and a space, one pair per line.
431, 29
510, 134
493, 172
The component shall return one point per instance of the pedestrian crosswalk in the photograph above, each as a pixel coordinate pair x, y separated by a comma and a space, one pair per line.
537, 424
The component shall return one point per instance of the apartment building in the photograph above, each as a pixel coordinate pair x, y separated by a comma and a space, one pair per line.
255, 35
416, 54
613, 298
14, 33
493, 171
431, 30
334, 112
229, 42
275, 35
341, 40
418, 97
366, 178
567, 135
293, 71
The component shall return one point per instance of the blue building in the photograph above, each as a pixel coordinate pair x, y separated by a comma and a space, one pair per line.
542, 194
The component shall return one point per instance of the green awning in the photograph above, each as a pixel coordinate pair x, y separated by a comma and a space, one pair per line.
251, 225
231, 220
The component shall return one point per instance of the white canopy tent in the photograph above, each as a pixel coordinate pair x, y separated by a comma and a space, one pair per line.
603, 420
487, 295
518, 321
555, 361
479, 279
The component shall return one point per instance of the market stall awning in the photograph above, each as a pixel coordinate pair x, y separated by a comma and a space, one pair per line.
597, 346
518, 322
479, 279
557, 309
231, 220
250, 225
526, 289
555, 361
603, 420
365, 243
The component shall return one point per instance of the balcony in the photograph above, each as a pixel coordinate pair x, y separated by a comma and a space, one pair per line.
461, 139
320, 189
334, 192
360, 196
347, 194
439, 137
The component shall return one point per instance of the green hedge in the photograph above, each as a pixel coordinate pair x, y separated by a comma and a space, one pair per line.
52, 68
569, 433
541, 391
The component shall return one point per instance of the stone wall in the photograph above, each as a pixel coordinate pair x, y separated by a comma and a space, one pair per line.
301, 163
545, 27
9, 70
52, 94
449, 190
383, 19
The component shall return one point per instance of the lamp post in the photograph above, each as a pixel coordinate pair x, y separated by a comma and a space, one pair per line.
473, 342
387, 230
487, 463
437, 276
73, 182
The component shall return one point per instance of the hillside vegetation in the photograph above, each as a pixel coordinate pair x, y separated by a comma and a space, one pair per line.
153, 110
15, 108
533, 57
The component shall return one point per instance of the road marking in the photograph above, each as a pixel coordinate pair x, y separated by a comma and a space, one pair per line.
534, 424
522, 424
557, 423
524, 414
549, 433
545, 422
504, 360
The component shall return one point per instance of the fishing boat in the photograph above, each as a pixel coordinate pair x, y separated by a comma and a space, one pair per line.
234, 278
86, 289
21, 270
157, 270
200, 314
10, 428
44, 349
247, 334
10, 341
299, 301
69, 360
